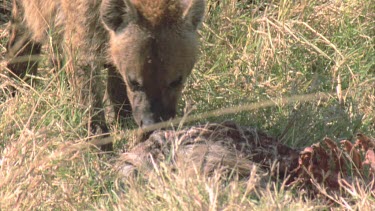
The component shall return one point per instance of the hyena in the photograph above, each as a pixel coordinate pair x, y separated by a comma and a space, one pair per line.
148, 47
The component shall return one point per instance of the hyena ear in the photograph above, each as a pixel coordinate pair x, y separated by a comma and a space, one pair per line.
117, 14
193, 11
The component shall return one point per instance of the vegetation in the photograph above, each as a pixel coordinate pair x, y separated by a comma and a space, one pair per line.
251, 52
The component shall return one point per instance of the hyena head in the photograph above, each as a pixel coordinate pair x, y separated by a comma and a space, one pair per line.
153, 44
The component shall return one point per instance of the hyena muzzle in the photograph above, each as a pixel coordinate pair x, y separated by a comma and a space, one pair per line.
148, 47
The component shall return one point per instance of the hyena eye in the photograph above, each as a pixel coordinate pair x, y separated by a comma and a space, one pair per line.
176, 83
135, 85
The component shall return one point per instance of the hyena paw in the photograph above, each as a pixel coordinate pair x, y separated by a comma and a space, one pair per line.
101, 131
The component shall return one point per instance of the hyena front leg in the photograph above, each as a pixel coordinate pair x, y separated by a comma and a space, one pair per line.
116, 98
87, 83
84, 49
22, 51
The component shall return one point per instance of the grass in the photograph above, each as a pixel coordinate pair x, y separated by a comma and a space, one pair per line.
251, 52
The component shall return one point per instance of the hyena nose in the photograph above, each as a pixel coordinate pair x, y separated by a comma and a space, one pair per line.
146, 121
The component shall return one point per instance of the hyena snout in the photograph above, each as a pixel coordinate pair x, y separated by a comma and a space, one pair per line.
153, 111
